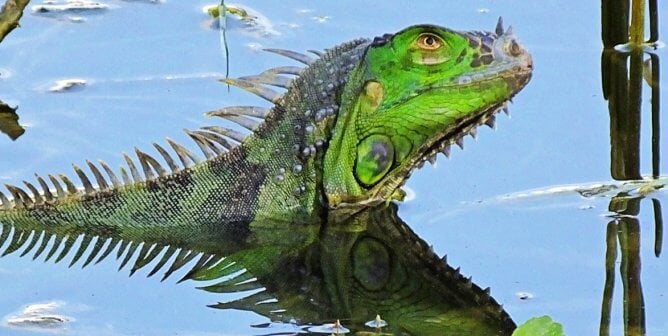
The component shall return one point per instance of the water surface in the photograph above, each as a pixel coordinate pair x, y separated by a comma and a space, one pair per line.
151, 69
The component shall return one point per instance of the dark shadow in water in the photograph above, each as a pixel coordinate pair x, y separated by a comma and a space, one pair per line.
624, 65
9, 19
370, 264
9, 121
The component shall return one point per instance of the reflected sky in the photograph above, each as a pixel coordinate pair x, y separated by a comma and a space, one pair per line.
152, 69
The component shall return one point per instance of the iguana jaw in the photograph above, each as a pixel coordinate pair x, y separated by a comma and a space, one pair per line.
442, 112
453, 135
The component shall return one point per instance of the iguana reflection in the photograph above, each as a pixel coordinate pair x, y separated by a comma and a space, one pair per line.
368, 264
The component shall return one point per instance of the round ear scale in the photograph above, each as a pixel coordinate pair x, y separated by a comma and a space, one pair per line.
375, 156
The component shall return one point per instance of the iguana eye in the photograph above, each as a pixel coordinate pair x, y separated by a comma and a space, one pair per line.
429, 41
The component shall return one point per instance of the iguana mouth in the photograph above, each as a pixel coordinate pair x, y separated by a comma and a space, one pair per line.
453, 135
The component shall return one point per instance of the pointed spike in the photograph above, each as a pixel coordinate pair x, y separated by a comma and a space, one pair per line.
509, 31
99, 243
251, 111
45, 188
101, 182
491, 122
19, 238
114, 180
214, 138
165, 257
299, 57
141, 156
37, 198
232, 134
112, 245
71, 189
198, 266
33, 242
128, 255
67, 246
4, 202
444, 259
148, 162
15, 196
168, 158
139, 262
88, 187
269, 79
133, 169
316, 52
60, 193
125, 177
499, 27
42, 246
432, 159
20, 197
460, 142
446, 150
181, 259
506, 110
243, 121
183, 153
487, 291
256, 89
56, 244
473, 132
85, 242
202, 143
468, 284
121, 249
156, 165
285, 70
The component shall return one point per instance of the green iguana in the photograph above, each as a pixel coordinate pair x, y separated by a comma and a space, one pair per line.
347, 133
350, 129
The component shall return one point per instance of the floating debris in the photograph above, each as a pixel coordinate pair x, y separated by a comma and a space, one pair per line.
77, 19
243, 18
524, 295
483, 10
9, 121
39, 317
68, 85
376, 323
321, 18
255, 47
330, 329
68, 7
5, 73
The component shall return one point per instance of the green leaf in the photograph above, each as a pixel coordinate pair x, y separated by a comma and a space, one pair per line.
540, 326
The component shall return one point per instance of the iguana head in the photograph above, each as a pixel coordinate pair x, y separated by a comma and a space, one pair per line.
412, 95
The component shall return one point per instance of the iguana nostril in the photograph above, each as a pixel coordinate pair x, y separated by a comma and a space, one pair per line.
514, 49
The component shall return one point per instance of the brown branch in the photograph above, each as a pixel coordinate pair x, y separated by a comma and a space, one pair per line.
10, 15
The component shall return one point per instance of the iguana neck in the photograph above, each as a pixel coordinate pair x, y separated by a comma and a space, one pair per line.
290, 144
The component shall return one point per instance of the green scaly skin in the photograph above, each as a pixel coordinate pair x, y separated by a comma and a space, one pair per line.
348, 132
346, 135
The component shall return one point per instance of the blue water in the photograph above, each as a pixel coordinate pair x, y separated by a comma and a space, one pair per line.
151, 70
